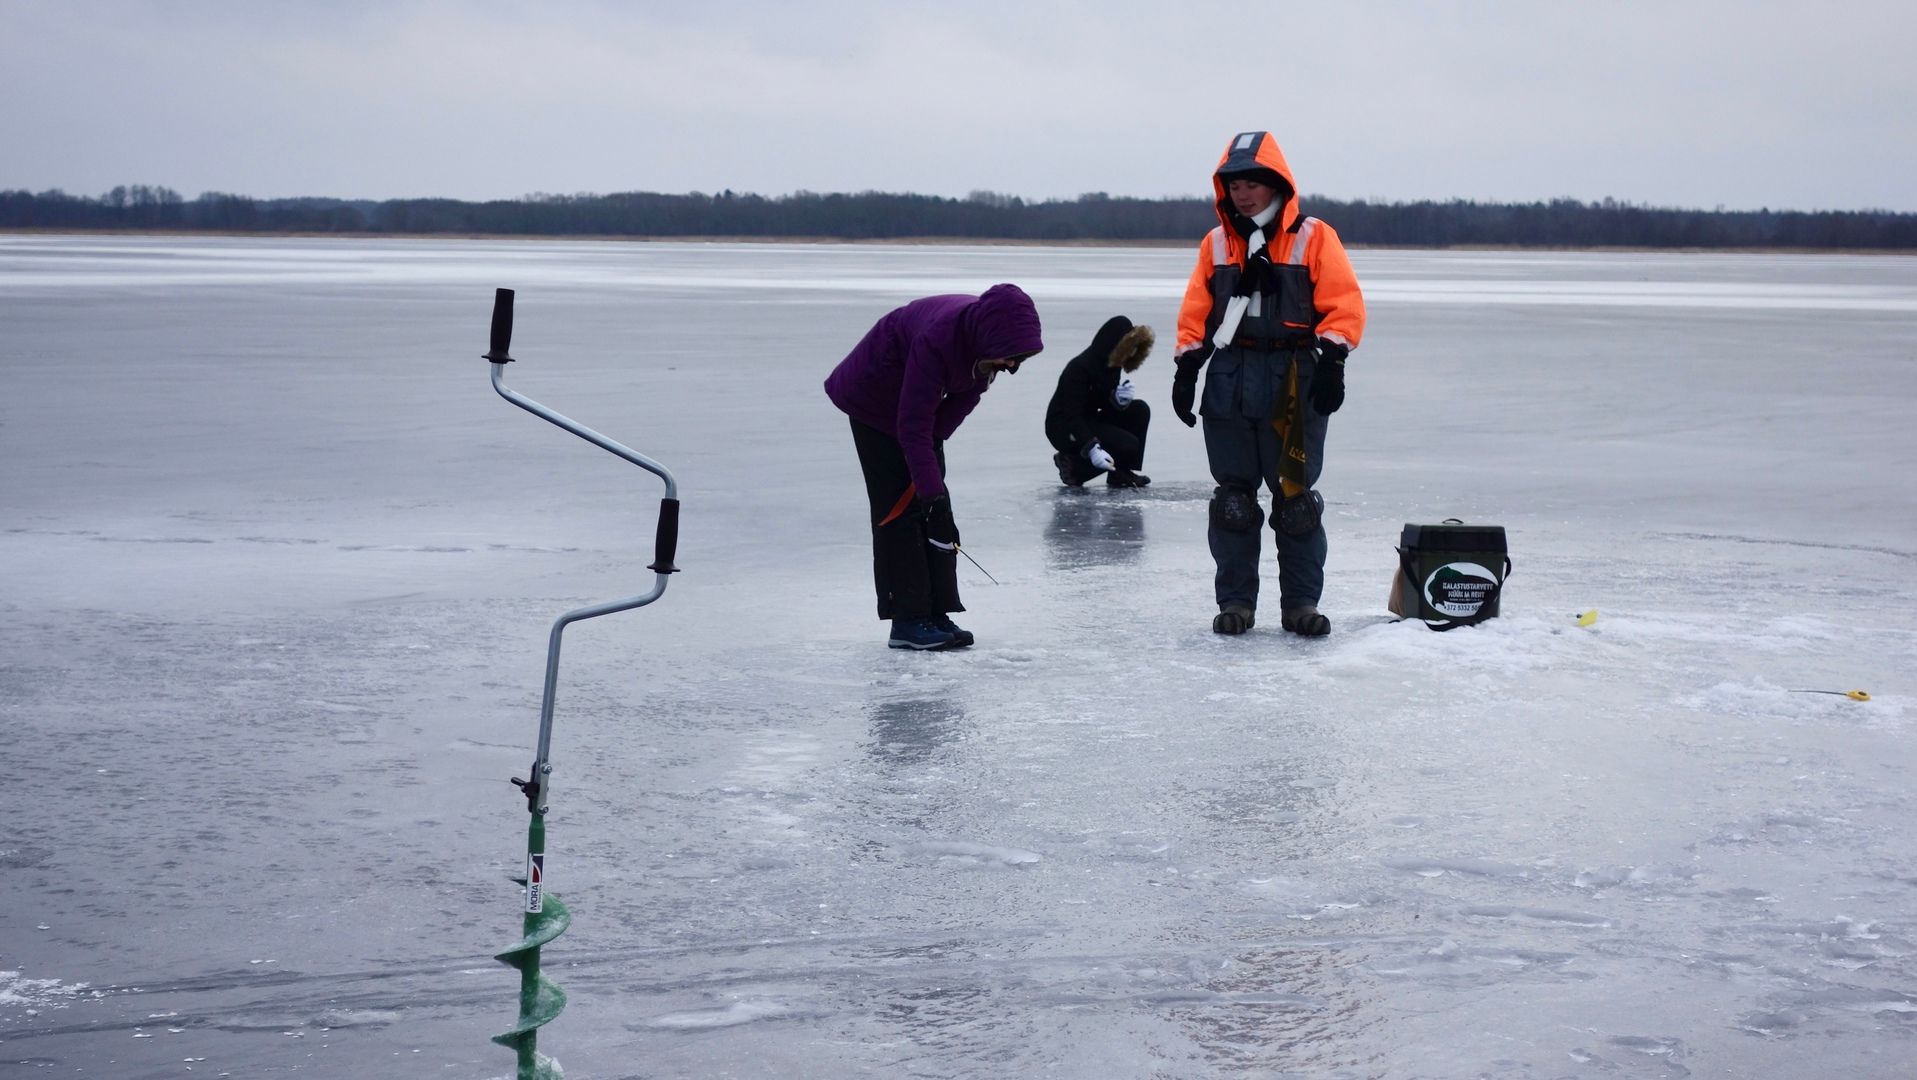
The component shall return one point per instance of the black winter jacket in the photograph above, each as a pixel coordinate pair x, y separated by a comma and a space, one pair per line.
1085, 386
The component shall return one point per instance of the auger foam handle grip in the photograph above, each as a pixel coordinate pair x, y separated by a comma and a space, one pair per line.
502, 327
666, 540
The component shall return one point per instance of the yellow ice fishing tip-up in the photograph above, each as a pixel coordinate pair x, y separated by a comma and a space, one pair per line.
1854, 695
1586, 618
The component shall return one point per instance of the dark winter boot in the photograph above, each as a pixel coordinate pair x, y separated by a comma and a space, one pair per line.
1125, 478
921, 634
1232, 620
961, 637
1067, 469
1305, 621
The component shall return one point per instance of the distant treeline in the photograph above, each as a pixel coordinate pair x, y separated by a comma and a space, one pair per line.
980, 216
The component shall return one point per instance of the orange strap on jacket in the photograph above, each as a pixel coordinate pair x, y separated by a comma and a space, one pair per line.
898, 508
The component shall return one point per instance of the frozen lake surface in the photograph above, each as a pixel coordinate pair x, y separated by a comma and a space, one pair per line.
279, 568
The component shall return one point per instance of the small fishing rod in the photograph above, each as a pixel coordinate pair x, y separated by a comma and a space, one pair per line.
968, 558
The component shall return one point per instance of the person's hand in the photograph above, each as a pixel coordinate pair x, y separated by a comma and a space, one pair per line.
1099, 458
1184, 392
1328, 379
1124, 393
940, 530
1257, 272
1185, 382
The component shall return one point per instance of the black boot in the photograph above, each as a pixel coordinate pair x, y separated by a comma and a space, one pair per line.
1233, 620
1305, 621
1125, 478
961, 637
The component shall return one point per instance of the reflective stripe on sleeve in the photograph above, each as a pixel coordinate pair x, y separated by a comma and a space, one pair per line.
1299, 239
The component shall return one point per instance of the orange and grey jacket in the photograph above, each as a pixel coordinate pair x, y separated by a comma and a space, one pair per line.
1320, 292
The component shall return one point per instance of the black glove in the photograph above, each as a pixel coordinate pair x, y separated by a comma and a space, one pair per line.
1257, 274
1185, 382
1328, 380
940, 530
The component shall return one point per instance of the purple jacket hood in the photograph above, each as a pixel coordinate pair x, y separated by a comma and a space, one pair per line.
914, 375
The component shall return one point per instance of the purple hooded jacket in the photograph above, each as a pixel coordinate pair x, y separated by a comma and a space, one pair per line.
914, 375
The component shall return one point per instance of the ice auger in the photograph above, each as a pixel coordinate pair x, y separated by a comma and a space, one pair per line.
540, 999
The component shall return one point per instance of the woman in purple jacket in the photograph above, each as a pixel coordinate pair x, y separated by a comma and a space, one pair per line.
907, 386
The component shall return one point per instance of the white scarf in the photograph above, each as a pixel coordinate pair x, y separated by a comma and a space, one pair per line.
1235, 309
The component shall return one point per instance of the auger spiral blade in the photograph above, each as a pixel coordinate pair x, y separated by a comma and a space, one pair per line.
540, 999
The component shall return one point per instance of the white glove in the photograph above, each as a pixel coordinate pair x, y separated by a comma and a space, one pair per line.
1097, 456
1124, 393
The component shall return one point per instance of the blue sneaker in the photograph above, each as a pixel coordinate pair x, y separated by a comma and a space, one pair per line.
961, 637
919, 634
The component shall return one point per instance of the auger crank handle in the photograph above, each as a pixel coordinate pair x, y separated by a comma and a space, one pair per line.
665, 542
502, 338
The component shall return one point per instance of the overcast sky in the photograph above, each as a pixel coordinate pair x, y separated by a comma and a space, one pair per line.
1715, 103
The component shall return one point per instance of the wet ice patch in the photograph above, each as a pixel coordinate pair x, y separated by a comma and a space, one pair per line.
1300, 900
1832, 1011
1284, 889
23, 856
1840, 942
732, 1015
1780, 1022
1801, 628
1427, 867
337, 707
1648, 878
1645, 1055
1778, 826
967, 853
1272, 1000
1649, 1045
1535, 915
778, 764
1130, 846
1448, 963
356, 1018
1325, 910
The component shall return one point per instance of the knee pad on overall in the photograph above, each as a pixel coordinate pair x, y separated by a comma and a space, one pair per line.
1300, 514
1235, 509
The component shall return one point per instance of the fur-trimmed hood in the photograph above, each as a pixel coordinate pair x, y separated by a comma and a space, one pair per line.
1132, 349
1120, 344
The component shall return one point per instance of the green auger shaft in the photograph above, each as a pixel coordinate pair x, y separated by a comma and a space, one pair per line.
540, 999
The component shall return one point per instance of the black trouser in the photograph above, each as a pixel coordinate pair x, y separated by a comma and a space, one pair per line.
1244, 452
913, 578
1120, 431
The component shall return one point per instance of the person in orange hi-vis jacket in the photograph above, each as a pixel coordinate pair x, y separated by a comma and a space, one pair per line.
1271, 311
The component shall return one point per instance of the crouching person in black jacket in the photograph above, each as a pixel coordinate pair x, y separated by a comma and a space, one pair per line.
1096, 420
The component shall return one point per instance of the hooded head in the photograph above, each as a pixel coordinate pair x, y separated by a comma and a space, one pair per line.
1120, 344
1004, 323
1254, 155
